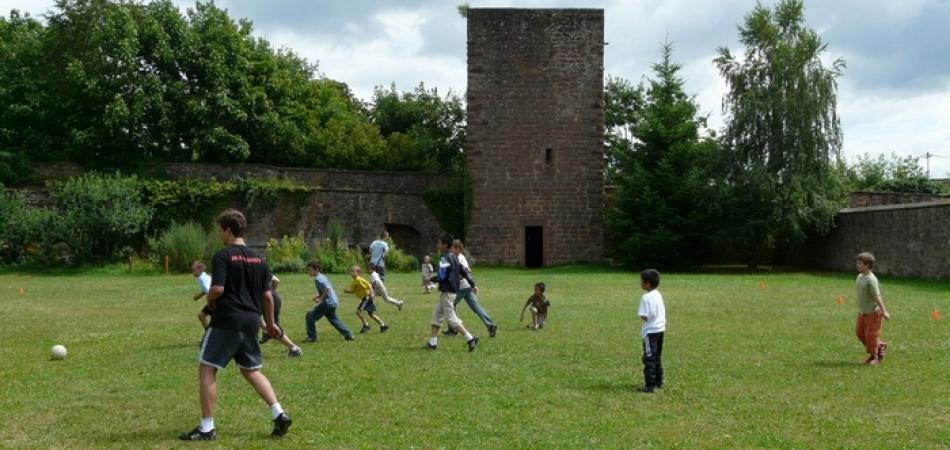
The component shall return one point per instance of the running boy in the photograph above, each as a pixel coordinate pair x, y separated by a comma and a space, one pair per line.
468, 293
293, 350
539, 307
204, 284
327, 303
380, 288
653, 313
364, 292
450, 273
870, 310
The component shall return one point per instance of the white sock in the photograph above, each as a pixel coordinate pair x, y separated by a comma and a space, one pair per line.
468, 336
207, 424
276, 410
433, 341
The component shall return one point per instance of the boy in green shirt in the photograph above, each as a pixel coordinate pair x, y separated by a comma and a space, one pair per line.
870, 310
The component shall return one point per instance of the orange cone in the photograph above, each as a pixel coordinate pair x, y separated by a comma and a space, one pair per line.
935, 315
761, 285
840, 300
20, 290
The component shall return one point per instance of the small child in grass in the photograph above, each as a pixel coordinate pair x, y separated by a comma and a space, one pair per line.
539, 307
426, 274
364, 292
380, 288
204, 285
871, 310
653, 313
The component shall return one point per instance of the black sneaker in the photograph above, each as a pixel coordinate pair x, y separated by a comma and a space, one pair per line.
198, 435
310, 340
429, 346
450, 332
364, 329
349, 338
295, 352
472, 343
492, 330
399, 306
383, 328
281, 425
646, 389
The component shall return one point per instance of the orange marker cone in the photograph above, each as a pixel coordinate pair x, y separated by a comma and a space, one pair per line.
761, 285
935, 315
20, 290
840, 300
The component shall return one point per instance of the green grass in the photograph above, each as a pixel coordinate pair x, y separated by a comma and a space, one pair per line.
745, 367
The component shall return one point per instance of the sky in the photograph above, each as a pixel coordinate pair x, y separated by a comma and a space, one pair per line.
894, 96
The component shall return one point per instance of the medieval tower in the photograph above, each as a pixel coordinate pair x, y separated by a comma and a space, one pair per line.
535, 135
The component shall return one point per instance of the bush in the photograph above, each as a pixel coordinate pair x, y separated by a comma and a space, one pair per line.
183, 244
398, 261
100, 214
14, 168
23, 230
287, 248
292, 265
335, 256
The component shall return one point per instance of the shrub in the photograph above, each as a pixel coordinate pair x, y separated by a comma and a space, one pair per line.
14, 168
286, 248
289, 265
183, 244
399, 261
335, 256
100, 214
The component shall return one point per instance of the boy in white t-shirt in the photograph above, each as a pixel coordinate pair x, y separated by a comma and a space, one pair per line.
204, 283
653, 313
380, 288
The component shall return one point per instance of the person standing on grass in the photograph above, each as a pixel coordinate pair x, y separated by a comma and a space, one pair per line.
240, 294
364, 292
468, 293
427, 271
293, 350
327, 303
450, 274
379, 287
870, 310
653, 313
378, 250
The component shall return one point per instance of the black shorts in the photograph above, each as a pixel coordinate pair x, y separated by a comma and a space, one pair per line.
219, 347
367, 304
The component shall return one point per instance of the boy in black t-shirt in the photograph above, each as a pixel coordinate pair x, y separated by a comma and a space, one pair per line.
240, 294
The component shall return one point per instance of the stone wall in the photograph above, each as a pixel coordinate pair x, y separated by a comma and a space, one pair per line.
366, 202
910, 240
864, 199
534, 139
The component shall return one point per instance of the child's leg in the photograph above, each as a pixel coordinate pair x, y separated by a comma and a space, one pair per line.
872, 332
534, 319
359, 313
338, 324
472, 300
859, 327
312, 317
377, 319
659, 360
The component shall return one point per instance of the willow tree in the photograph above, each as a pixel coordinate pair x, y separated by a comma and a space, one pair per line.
782, 138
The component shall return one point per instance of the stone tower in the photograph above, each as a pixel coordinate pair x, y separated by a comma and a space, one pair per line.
535, 135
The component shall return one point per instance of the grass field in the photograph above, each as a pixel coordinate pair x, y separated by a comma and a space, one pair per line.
752, 360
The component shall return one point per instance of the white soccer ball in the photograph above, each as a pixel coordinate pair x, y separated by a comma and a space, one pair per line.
57, 352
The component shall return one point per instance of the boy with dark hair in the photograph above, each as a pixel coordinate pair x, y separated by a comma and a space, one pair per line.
327, 303
653, 313
364, 292
449, 274
240, 293
870, 310
293, 350
539, 307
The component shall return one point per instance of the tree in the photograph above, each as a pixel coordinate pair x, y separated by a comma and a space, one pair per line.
424, 131
783, 136
666, 187
623, 104
895, 174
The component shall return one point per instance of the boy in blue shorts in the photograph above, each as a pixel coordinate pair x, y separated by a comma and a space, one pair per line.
364, 292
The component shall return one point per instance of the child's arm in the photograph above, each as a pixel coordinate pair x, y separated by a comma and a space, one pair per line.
521, 317
274, 282
198, 296
880, 304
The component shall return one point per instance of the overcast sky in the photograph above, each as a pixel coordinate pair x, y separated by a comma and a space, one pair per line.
893, 97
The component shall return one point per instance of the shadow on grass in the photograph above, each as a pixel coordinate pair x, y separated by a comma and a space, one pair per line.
169, 437
834, 364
